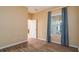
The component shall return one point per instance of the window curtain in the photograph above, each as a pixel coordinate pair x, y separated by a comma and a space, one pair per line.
49, 27
64, 27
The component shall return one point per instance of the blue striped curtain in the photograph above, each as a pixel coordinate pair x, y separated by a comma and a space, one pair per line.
64, 27
49, 27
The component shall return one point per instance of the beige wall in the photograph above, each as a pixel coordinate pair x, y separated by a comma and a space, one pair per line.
13, 25
72, 22
41, 18
42, 22
30, 16
72, 18
78, 28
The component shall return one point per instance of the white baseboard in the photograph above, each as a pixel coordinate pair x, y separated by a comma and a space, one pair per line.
12, 44
56, 42
52, 41
75, 46
42, 39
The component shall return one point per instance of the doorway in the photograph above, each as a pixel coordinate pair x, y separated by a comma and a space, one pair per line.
31, 29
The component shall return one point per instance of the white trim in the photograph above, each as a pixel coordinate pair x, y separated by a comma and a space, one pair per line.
56, 42
75, 46
56, 8
12, 44
52, 41
57, 14
42, 39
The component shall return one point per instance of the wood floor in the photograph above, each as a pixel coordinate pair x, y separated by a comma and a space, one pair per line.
35, 45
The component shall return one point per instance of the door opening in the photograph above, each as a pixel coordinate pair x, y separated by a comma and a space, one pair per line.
31, 29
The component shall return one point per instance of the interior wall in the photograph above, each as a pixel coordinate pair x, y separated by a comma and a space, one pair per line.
13, 25
72, 24
30, 16
78, 27
41, 18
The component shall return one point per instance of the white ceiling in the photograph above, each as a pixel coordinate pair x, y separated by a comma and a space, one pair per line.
34, 9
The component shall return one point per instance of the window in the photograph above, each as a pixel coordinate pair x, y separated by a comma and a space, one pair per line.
55, 24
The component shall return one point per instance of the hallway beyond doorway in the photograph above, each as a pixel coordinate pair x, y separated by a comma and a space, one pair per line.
31, 29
